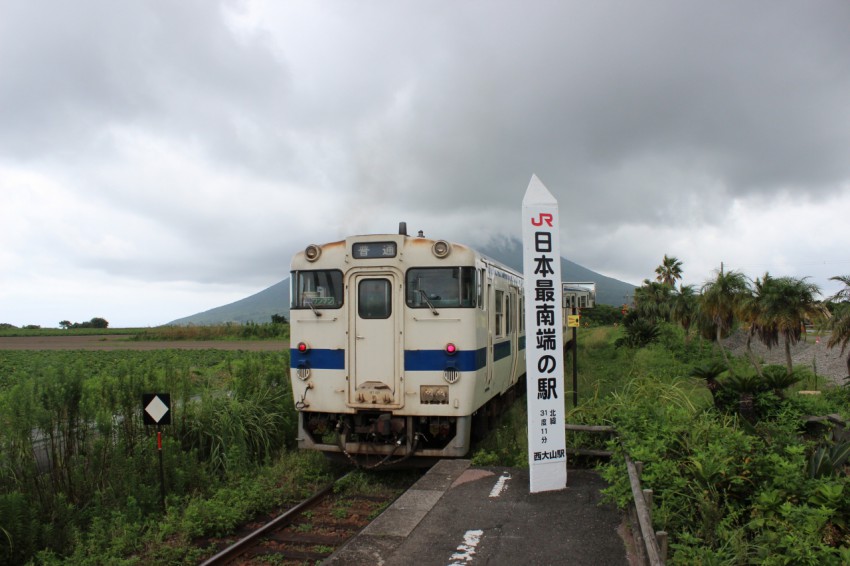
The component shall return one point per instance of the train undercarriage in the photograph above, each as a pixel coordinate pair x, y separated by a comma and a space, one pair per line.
376, 439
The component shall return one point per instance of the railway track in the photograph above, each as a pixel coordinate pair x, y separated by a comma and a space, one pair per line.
308, 532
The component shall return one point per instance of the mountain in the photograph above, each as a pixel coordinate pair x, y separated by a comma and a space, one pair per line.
259, 307
609, 291
275, 300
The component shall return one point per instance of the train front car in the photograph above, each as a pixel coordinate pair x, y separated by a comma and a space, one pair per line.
397, 342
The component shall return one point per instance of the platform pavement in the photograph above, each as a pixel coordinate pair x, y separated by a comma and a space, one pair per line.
460, 515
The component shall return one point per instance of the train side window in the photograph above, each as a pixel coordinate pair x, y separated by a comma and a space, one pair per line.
467, 287
481, 278
439, 287
500, 313
509, 314
521, 314
374, 298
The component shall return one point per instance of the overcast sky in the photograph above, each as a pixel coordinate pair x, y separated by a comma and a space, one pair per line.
162, 158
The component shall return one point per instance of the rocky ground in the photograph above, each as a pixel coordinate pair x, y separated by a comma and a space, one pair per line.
810, 352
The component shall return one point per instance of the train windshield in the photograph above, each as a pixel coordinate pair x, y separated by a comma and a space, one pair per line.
320, 289
440, 287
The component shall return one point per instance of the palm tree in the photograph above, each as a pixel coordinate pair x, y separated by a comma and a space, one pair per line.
652, 300
840, 322
751, 312
709, 372
684, 308
669, 271
720, 301
787, 303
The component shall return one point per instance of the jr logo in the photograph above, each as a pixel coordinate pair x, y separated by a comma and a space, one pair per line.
541, 218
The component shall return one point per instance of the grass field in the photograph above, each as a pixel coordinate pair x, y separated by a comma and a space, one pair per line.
78, 469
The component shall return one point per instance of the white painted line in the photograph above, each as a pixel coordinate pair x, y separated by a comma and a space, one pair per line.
501, 484
466, 551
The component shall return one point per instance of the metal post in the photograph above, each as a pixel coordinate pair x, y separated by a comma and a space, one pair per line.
575, 363
161, 469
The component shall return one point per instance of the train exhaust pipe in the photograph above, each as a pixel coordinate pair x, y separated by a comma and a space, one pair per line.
402, 228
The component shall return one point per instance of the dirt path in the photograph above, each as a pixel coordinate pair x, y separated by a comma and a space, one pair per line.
123, 342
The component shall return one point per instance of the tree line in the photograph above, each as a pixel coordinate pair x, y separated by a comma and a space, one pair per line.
96, 322
774, 310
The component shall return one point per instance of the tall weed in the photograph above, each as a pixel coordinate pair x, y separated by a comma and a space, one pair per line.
76, 458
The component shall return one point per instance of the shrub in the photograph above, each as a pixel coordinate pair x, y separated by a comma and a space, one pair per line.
639, 331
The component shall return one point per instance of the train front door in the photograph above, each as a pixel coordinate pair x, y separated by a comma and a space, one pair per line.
374, 344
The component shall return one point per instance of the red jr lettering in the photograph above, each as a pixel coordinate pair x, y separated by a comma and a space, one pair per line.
541, 218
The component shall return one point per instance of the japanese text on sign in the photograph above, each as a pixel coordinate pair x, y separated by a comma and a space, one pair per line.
544, 353
373, 250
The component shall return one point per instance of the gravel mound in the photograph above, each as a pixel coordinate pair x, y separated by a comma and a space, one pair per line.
811, 352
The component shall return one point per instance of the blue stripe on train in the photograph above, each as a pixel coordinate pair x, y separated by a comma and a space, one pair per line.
438, 360
414, 360
501, 350
317, 359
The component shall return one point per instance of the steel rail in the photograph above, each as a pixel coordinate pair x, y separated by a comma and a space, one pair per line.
243, 544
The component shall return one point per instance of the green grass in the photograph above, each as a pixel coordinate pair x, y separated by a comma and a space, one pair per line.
507, 444
727, 490
178, 536
233, 420
607, 376
228, 331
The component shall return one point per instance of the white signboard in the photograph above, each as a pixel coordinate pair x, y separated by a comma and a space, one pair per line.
156, 407
547, 457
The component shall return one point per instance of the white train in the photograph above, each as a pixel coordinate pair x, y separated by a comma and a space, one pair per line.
402, 346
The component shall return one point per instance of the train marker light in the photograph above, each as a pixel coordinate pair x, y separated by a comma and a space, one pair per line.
451, 349
312, 252
441, 248
303, 347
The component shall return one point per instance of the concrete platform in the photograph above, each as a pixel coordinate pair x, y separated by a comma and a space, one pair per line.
459, 515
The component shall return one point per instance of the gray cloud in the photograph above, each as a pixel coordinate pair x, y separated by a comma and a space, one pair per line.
205, 142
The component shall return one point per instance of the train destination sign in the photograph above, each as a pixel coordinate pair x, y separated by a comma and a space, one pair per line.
373, 250
544, 358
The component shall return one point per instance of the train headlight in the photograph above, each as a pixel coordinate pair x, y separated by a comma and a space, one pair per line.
451, 349
434, 394
312, 252
441, 248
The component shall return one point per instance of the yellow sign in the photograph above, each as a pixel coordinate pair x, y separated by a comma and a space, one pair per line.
572, 320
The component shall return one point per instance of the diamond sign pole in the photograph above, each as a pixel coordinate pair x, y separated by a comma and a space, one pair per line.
161, 469
156, 411
544, 357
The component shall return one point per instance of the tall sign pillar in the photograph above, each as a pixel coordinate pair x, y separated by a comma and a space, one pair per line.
547, 455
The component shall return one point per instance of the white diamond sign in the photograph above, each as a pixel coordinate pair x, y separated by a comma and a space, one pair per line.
156, 408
